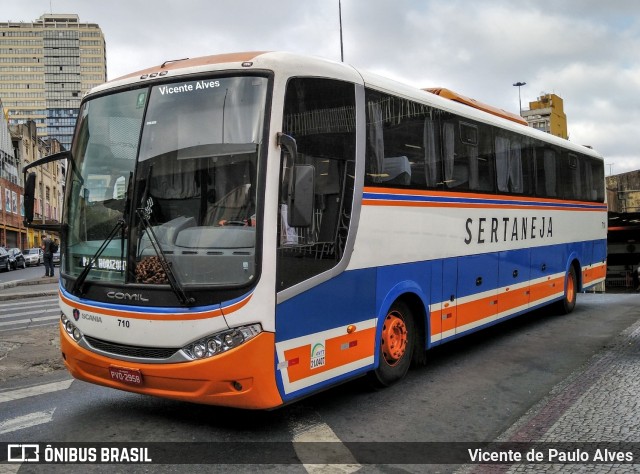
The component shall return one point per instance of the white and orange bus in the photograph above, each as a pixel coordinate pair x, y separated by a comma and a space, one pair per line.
247, 229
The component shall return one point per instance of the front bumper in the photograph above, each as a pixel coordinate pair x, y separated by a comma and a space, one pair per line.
243, 377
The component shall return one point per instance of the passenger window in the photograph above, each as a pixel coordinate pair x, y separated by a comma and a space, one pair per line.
403, 148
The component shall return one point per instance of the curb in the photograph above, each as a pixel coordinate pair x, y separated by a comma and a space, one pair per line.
25, 293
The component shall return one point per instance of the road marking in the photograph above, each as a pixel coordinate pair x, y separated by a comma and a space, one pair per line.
26, 421
30, 320
22, 303
330, 449
33, 391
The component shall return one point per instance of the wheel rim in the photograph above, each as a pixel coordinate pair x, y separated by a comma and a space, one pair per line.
394, 338
571, 288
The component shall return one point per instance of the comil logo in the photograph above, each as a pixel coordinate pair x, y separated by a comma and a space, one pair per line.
23, 453
317, 355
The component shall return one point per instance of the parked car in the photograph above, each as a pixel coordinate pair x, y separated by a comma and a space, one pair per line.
18, 260
33, 256
56, 258
5, 259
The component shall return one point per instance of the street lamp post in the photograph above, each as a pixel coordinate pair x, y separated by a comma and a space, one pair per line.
519, 85
340, 17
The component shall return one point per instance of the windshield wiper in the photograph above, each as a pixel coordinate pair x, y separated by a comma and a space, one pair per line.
164, 263
120, 224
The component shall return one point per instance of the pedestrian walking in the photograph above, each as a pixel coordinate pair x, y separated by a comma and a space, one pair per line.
47, 256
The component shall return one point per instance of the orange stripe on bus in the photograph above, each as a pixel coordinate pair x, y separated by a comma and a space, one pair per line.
475, 311
339, 351
594, 273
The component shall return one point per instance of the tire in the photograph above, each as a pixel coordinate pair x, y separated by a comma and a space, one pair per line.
396, 347
570, 291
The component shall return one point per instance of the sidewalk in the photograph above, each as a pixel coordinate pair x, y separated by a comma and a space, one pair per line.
32, 352
36, 287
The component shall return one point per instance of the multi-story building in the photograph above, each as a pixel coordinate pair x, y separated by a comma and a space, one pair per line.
547, 114
46, 67
49, 192
12, 230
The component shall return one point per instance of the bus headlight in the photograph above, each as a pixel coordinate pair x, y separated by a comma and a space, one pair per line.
221, 342
70, 328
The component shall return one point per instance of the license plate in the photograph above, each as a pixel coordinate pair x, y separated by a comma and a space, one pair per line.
129, 376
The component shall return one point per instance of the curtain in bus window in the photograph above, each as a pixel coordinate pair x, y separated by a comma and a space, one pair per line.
174, 179
503, 146
430, 154
241, 122
472, 156
589, 190
577, 188
550, 172
375, 158
448, 146
515, 167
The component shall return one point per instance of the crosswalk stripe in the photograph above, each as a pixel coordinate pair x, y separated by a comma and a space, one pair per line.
26, 421
27, 320
28, 311
22, 302
332, 448
33, 391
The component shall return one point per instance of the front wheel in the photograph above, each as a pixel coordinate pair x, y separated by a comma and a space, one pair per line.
396, 346
570, 291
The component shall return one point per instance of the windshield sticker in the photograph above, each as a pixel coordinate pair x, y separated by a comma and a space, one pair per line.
114, 264
142, 99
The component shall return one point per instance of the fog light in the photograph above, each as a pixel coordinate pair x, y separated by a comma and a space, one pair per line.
70, 328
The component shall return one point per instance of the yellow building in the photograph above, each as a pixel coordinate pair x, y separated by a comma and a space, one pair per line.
547, 114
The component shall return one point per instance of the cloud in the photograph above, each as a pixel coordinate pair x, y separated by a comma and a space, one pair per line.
583, 50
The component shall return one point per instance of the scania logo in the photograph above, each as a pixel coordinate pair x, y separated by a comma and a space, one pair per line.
118, 295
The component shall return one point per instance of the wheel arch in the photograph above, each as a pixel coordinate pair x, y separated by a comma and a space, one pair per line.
574, 262
412, 295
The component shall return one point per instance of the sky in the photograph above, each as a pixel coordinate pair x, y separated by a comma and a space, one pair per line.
585, 51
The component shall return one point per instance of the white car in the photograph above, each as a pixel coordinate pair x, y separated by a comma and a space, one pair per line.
33, 256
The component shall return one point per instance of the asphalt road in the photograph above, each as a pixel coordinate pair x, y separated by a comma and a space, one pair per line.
472, 389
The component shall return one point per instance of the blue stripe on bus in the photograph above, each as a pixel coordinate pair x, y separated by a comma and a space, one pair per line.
358, 295
151, 309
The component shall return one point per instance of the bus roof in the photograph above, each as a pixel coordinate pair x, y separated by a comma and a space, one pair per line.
452, 95
293, 64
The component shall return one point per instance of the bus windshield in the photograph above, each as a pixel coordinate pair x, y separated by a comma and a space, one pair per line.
164, 180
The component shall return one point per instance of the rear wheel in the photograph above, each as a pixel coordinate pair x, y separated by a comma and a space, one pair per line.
570, 291
396, 346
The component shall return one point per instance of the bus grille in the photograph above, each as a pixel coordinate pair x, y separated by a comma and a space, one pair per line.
132, 351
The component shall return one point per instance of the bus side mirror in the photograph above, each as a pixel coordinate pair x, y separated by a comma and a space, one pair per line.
301, 196
29, 197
